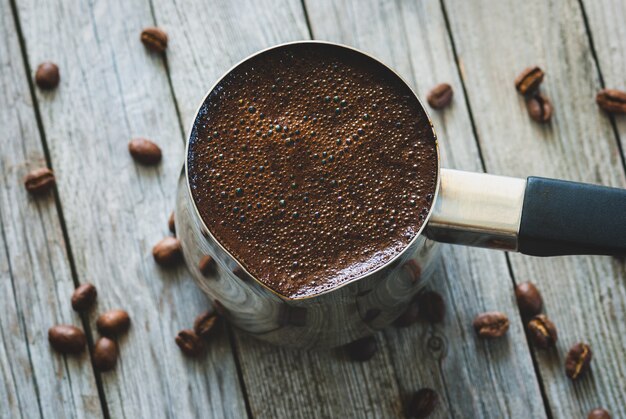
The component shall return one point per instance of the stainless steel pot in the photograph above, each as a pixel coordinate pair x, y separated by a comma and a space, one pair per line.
534, 216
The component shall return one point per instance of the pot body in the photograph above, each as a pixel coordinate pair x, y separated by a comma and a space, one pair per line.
333, 318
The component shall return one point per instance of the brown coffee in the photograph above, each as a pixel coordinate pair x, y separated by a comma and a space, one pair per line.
312, 165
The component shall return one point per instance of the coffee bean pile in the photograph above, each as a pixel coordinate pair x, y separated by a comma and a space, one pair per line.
69, 339
192, 342
542, 332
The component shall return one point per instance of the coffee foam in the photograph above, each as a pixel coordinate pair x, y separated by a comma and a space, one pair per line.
313, 165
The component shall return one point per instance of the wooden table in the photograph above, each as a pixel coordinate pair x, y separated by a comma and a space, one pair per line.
107, 212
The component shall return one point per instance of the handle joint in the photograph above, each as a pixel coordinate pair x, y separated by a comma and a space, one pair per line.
477, 209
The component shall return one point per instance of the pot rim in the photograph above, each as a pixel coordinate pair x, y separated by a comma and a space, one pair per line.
353, 280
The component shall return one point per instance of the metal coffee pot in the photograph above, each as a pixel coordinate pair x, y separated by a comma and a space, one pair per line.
534, 216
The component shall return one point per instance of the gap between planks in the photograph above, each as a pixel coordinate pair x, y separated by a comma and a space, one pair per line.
594, 54
544, 396
57, 201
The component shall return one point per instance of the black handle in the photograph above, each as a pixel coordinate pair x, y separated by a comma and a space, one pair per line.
570, 218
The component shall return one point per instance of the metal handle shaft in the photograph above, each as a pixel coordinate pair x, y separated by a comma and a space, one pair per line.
477, 209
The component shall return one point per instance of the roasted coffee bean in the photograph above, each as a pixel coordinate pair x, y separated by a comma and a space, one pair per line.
612, 100
39, 181
190, 343
155, 39
431, 307
529, 299
207, 265
422, 404
599, 413
362, 349
171, 223
205, 324
47, 76
539, 108
542, 331
105, 354
529, 80
67, 339
112, 323
492, 324
440, 96
409, 316
168, 252
83, 297
578, 360
144, 151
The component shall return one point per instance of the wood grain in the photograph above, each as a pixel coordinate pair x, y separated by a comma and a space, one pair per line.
475, 378
208, 39
585, 296
35, 278
606, 23
112, 89
280, 382
115, 210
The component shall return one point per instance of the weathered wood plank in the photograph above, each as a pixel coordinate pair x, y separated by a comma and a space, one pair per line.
476, 379
206, 41
585, 296
209, 38
287, 383
606, 22
35, 278
113, 89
